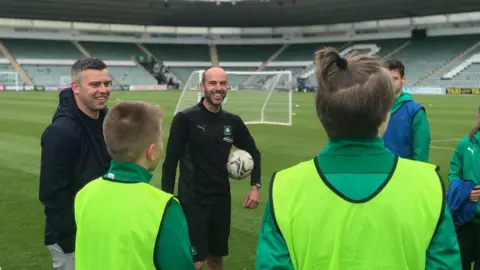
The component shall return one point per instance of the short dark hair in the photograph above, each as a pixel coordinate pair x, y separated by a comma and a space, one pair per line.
85, 64
129, 127
354, 95
395, 64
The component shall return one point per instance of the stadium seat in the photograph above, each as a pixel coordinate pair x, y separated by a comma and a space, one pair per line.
425, 60
113, 51
241, 53
42, 49
423, 57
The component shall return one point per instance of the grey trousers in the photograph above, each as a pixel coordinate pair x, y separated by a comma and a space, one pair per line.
60, 260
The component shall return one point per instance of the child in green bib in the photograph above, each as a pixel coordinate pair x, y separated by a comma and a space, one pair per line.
356, 205
124, 222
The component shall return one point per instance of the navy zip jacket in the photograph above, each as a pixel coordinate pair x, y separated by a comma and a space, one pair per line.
73, 154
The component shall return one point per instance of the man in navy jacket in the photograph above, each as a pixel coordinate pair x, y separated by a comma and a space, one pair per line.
73, 154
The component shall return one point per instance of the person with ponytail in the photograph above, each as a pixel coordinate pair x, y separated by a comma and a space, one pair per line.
464, 193
356, 205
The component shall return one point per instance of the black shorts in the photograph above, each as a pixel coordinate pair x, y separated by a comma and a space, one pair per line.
209, 229
468, 236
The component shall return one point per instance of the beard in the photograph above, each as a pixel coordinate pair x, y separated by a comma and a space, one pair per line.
210, 98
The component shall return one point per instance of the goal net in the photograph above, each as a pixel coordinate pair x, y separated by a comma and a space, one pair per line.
10, 79
258, 97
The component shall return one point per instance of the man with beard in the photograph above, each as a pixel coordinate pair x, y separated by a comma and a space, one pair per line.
408, 132
201, 137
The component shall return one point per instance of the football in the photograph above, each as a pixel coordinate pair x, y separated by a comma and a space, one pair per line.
240, 164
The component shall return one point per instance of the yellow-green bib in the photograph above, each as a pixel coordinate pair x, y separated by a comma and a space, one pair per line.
117, 225
390, 230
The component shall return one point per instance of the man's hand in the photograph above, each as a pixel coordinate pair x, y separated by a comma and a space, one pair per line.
475, 194
252, 199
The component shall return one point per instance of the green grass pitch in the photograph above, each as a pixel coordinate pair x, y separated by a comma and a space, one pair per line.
24, 115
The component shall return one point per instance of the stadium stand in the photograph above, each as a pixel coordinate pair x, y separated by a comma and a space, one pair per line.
468, 77
423, 57
5, 67
48, 62
427, 61
387, 47
183, 73
8, 75
181, 59
113, 51
48, 74
42, 49
304, 52
179, 52
241, 53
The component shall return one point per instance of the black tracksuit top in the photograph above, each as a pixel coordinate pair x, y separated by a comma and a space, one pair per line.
202, 141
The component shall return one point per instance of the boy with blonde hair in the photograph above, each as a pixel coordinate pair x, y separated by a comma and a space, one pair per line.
122, 221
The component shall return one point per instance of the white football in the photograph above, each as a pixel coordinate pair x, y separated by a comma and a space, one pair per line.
240, 164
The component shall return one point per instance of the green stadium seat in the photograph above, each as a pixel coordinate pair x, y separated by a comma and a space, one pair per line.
42, 49
132, 76
246, 53
423, 57
113, 51
180, 52
304, 52
53, 75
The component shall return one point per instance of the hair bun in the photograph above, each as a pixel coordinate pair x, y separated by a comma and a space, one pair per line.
341, 62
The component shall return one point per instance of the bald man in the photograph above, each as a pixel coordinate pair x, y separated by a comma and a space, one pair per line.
201, 137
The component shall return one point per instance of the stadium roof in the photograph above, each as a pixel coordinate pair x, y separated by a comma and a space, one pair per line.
243, 13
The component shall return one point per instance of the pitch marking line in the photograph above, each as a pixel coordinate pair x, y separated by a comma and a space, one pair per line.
447, 140
442, 148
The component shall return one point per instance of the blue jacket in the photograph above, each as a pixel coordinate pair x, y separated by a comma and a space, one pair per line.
398, 137
461, 208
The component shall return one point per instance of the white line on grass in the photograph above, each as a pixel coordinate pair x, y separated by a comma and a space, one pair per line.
442, 148
447, 140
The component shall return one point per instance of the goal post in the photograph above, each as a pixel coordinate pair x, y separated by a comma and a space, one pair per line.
258, 97
10, 79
